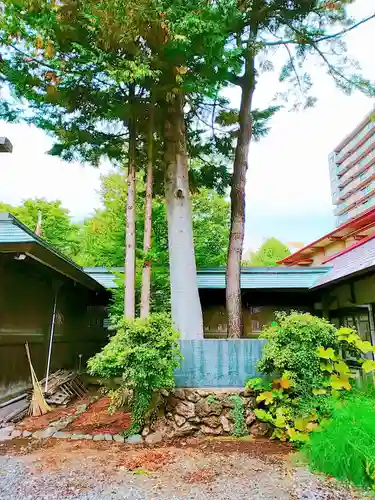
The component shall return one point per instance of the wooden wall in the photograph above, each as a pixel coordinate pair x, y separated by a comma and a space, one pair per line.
258, 307
27, 290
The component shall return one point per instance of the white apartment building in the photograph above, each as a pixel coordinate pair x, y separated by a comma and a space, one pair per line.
352, 172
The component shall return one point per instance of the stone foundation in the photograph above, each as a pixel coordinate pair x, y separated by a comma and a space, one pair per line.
192, 412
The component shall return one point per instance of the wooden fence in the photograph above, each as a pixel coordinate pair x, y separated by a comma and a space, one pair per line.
218, 363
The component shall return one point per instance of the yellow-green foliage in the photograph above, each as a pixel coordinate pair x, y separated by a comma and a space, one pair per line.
304, 352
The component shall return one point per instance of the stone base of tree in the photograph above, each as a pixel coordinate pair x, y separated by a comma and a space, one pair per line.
210, 412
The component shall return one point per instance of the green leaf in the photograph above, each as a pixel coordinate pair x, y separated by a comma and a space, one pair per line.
326, 367
266, 396
296, 436
319, 392
368, 366
328, 353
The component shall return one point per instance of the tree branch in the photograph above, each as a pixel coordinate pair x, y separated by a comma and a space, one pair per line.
321, 39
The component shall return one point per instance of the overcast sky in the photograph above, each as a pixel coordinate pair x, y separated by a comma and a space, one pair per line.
288, 191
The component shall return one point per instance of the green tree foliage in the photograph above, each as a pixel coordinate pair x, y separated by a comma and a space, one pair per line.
269, 253
102, 236
57, 228
144, 353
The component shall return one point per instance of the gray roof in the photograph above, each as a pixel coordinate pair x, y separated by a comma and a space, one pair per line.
107, 277
256, 278
355, 261
15, 236
261, 278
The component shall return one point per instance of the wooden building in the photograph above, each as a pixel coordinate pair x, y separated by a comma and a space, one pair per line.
44, 294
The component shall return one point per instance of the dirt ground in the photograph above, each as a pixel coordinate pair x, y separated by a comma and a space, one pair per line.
95, 420
194, 468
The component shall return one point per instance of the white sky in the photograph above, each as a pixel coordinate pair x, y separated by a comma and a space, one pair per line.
288, 191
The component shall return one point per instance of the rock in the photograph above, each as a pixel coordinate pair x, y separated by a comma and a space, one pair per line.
179, 393
78, 436
250, 417
209, 430
195, 420
62, 435
26, 434
228, 403
146, 431
203, 393
213, 421
63, 422
16, 434
8, 429
44, 433
260, 429
81, 409
185, 430
185, 409
134, 439
118, 438
5, 437
179, 420
250, 403
203, 408
247, 394
227, 427
154, 437
192, 395
171, 404
108, 437
98, 437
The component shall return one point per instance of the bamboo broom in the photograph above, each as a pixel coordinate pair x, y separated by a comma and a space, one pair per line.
38, 405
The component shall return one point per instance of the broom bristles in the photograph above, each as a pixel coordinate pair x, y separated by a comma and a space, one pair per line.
38, 405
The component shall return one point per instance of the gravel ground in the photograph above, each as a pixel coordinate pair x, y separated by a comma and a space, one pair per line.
83, 472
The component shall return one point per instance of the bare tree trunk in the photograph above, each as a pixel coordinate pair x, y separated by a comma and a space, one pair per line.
129, 295
237, 227
147, 236
186, 307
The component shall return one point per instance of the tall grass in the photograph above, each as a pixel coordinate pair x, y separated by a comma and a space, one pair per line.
345, 447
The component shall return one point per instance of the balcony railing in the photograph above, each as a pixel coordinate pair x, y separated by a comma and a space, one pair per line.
355, 200
356, 182
357, 169
353, 144
351, 160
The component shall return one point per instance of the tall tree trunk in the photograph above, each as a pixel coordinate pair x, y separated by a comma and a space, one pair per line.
186, 307
129, 295
147, 236
237, 226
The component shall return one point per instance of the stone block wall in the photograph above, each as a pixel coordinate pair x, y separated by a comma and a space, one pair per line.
192, 412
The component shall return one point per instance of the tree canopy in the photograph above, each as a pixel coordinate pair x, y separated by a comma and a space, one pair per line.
268, 254
56, 225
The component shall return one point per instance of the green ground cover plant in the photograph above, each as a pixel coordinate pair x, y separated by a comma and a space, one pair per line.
344, 447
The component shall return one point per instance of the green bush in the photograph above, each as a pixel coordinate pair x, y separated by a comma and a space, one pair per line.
292, 346
144, 353
303, 357
344, 446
